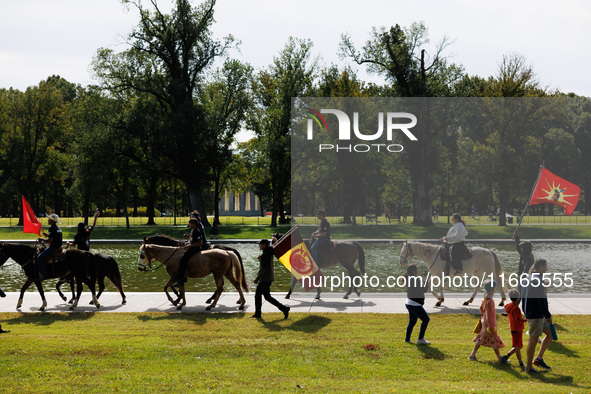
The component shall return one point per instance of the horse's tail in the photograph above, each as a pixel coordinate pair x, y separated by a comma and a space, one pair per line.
361, 257
237, 269
498, 268
116, 273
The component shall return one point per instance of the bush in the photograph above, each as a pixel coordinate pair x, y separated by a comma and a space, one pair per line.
141, 211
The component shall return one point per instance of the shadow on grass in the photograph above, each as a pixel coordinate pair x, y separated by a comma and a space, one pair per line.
546, 377
558, 347
47, 319
430, 352
199, 318
309, 324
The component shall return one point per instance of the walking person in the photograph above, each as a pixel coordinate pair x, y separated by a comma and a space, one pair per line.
539, 318
488, 331
416, 287
264, 279
516, 324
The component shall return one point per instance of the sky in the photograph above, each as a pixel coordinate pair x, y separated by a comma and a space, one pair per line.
40, 38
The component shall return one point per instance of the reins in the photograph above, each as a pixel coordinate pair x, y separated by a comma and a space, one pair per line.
162, 264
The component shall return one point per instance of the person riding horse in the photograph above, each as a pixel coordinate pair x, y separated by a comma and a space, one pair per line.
55, 239
321, 236
82, 237
456, 237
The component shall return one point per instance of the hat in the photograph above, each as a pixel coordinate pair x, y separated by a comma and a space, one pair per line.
54, 218
194, 221
264, 242
195, 215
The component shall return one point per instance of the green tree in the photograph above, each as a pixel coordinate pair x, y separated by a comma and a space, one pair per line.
289, 76
168, 59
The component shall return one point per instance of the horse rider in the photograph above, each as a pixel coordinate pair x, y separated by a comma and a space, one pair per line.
321, 236
54, 239
206, 245
193, 246
456, 237
82, 237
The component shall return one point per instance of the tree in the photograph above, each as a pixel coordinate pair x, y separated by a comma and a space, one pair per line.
168, 59
398, 54
289, 76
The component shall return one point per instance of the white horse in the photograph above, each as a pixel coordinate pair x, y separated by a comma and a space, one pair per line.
482, 264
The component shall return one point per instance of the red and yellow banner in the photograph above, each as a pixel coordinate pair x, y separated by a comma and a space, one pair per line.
295, 256
31, 224
552, 189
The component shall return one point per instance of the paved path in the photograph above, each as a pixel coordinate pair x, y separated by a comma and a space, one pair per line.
300, 302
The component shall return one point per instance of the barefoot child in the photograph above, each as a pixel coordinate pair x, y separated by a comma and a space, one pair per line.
488, 333
516, 323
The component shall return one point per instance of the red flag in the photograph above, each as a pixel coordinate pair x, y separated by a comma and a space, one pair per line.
555, 190
31, 224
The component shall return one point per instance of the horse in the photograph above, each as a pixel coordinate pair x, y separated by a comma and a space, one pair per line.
482, 263
165, 240
106, 266
218, 262
78, 262
344, 253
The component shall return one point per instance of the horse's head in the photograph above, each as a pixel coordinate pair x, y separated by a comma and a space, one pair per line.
405, 253
144, 261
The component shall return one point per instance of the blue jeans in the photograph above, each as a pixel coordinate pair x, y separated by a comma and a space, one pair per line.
41, 263
415, 313
315, 246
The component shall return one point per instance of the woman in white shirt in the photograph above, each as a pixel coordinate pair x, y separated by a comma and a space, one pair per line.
456, 237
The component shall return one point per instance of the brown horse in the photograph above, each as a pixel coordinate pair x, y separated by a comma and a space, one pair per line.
344, 253
218, 262
80, 263
165, 240
106, 266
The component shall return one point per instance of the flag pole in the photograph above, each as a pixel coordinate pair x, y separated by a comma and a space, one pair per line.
530, 196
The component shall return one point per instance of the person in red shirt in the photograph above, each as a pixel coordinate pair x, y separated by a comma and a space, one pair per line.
516, 324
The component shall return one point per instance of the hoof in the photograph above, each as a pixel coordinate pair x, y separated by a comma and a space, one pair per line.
438, 303
72, 307
98, 306
239, 302
123, 302
317, 297
241, 308
208, 308
502, 303
466, 303
42, 309
91, 302
71, 301
346, 297
175, 302
64, 298
178, 308
208, 301
358, 293
288, 296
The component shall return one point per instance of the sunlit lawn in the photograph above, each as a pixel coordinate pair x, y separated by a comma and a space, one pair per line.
155, 352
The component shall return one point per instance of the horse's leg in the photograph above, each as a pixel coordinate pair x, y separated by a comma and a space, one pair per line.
78, 292
101, 285
441, 298
208, 301
219, 289
90, 282
183, 301
353, 273
166, 286
236, 283
501, 290
42, 294
57, 287
71, 283
23, 289
118, 284
476, 290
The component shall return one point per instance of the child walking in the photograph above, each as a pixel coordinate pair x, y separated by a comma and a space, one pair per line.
516, 324
416, 287
488, 333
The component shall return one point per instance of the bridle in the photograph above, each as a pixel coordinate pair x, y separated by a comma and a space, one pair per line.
146, 252
410, 253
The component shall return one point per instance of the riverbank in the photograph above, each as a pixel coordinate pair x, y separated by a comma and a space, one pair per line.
361, 232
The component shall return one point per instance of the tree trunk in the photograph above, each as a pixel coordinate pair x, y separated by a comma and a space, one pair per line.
196, 202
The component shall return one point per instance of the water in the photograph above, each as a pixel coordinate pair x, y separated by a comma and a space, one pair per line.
381, 263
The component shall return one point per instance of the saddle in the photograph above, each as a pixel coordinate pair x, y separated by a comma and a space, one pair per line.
446, 255
325, 251
55, 257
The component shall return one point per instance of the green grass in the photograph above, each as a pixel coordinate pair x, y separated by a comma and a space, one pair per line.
155, 352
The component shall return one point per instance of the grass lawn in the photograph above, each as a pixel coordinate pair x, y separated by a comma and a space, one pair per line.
155, 352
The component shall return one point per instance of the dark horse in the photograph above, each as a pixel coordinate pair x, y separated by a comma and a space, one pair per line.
106, 266
80, 263
165, 240
344, 253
